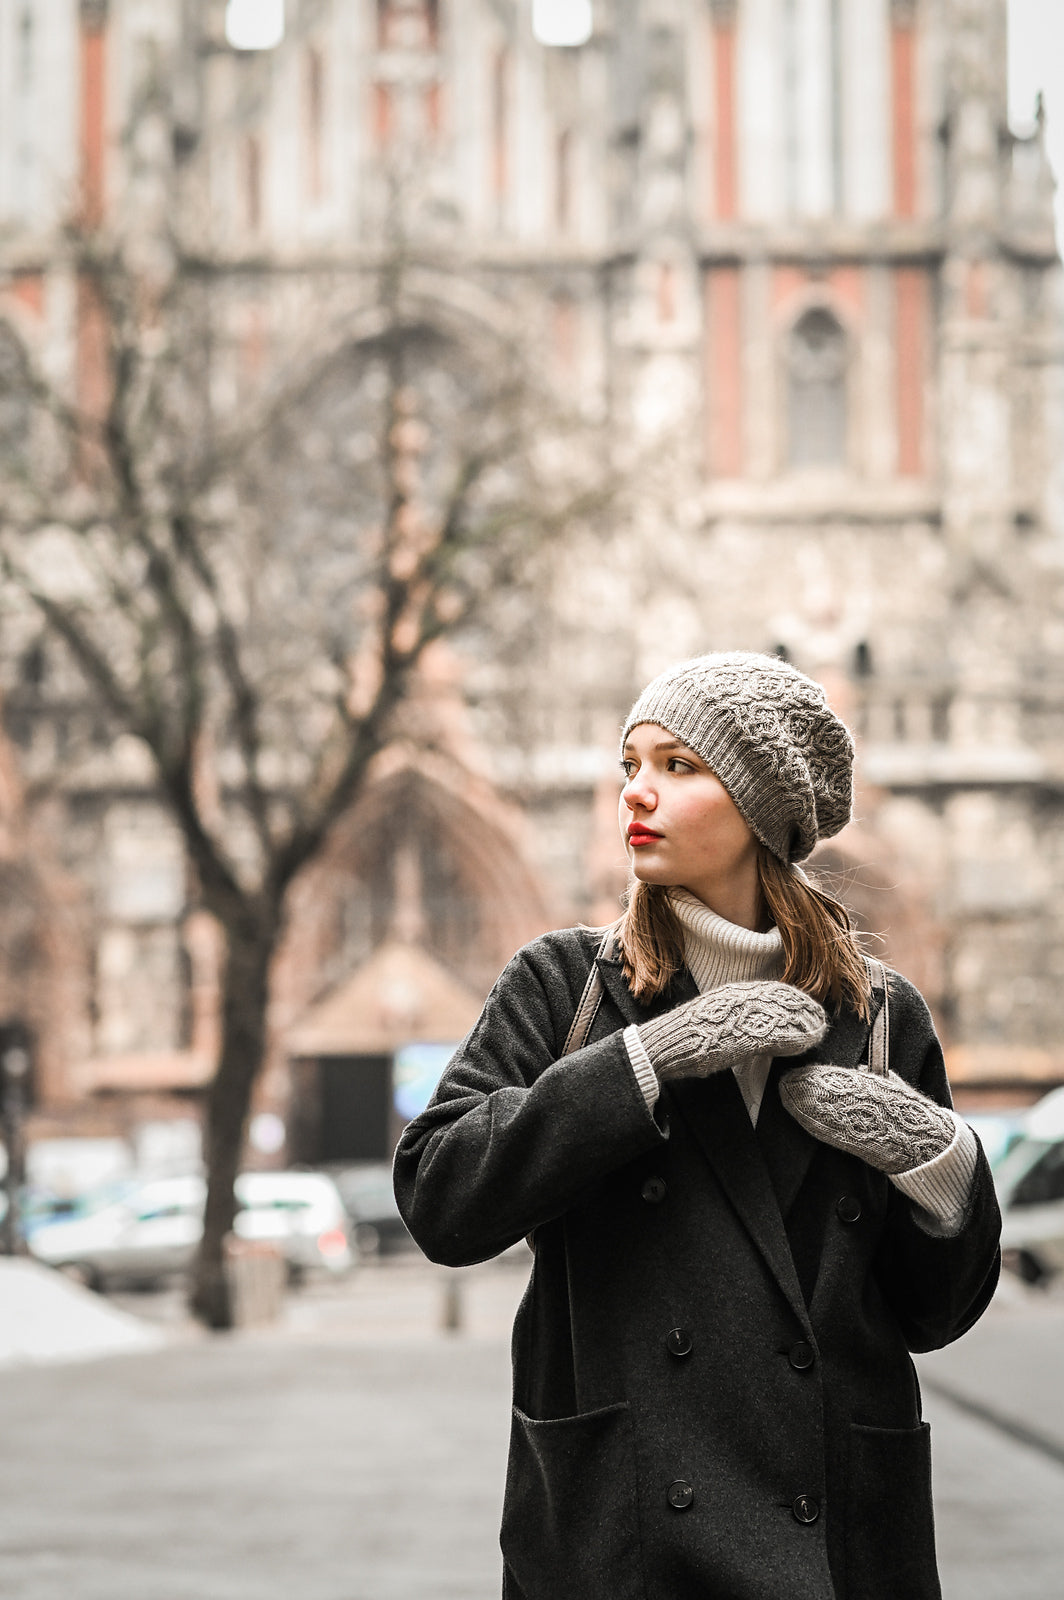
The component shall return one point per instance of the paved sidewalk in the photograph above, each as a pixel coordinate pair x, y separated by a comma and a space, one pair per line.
356, 1453
999, 1502
256, 1470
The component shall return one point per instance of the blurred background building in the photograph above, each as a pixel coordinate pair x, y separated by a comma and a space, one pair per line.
790, 252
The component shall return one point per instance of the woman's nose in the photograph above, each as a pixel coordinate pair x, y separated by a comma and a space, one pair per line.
637, 792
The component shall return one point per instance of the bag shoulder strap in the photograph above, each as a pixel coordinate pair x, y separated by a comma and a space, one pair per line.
591, 999
879, 1039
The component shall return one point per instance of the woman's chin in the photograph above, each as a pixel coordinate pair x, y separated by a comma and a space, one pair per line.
649, 872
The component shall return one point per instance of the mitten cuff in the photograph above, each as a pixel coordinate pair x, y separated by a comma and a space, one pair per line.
667, 1041
642, 1066
941, 1188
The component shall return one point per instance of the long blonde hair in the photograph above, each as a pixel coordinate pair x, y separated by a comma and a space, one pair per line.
820, 950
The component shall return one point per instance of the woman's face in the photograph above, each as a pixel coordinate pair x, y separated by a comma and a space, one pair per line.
680, 824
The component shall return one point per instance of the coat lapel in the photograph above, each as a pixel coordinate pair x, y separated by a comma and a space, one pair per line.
786, 1146
717, 1116
682, 988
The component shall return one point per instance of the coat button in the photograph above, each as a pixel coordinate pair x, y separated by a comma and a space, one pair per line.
805, 1508
801, 1355
679, 1342
680, 1495
848, 1209
654, 1191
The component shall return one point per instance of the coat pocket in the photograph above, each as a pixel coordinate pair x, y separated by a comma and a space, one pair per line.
890, 1528
569, 1525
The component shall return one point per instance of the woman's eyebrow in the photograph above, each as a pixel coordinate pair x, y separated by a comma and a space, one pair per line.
665, 744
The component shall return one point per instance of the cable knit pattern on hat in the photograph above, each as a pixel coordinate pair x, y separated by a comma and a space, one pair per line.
768, 733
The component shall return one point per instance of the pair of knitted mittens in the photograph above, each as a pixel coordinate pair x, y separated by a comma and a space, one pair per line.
882, 1120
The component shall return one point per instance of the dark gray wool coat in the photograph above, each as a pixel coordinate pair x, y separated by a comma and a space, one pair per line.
713, 1393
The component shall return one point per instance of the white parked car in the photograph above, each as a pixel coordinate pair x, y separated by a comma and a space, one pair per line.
152, 1231
1030, 1185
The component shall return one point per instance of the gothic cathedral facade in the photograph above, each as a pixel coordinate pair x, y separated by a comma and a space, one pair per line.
793, 257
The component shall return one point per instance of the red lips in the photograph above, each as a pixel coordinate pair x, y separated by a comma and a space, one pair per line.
639, 833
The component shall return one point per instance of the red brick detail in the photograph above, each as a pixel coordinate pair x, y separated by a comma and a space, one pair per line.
847, 287
725, 187
383, 115
92, 135
500, 123
28, 289
315, 123
910, 337
666, 292
787, 282
93, 383
975, 290
434, 110
565, 331
253, 345
903, 116
724, 372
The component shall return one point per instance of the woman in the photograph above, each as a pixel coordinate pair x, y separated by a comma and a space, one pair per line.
735, 1251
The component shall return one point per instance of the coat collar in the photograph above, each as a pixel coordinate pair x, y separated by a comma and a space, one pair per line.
761, 1171
683, 987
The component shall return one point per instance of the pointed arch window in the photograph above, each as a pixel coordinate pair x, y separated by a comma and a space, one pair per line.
817, 358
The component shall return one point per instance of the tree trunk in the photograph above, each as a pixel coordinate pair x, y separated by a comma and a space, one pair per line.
245, 996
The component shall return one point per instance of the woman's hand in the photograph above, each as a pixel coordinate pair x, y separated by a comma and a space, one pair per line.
884, 1121
729, 1025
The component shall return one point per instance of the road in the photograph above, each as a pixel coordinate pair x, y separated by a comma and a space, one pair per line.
356, 1452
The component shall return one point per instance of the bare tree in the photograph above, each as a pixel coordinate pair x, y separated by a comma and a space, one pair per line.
249, 589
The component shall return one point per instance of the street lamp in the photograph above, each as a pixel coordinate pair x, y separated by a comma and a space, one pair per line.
14, 1073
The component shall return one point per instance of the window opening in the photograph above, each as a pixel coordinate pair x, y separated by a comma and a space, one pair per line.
816, 357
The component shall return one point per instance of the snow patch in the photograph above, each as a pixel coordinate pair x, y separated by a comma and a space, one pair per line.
46, 1318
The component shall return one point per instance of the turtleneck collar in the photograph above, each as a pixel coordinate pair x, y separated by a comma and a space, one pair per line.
719, 952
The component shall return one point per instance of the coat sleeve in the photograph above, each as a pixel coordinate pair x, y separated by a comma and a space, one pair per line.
936, 1286
515, 1132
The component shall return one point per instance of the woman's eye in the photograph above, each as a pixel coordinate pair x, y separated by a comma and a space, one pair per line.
627, 768
678, 764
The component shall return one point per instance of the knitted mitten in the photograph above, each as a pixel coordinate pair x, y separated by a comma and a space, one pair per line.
883, 1120
728, 1025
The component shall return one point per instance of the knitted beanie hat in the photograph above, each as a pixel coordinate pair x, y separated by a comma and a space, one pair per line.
769, 735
